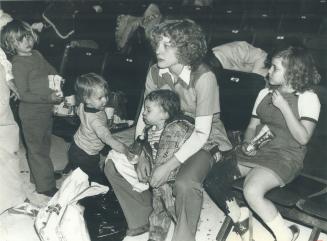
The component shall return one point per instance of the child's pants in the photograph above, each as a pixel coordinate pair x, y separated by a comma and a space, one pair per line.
163, 213
37, 130
88, 163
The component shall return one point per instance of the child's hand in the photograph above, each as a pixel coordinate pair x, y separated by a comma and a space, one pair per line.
143, 170
278, 100
132, 158
161, 174
246, 152
55, 98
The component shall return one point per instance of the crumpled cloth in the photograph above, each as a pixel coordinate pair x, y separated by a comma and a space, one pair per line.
127, 24
127, 170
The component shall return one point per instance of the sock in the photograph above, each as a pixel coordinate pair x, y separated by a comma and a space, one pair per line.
280, 229
244, 214
234, 210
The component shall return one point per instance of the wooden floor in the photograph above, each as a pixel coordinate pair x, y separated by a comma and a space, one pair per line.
209, 224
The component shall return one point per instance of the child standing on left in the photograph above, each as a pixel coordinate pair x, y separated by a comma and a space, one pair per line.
31, 70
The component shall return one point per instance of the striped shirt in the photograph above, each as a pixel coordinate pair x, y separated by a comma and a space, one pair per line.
153, 139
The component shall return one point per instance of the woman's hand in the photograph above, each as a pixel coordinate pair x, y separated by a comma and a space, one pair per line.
143, 169
278, 100
161, 173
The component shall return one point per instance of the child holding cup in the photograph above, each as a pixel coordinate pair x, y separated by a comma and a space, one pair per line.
31, 75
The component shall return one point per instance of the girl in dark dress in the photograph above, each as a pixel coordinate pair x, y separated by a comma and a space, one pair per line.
291, 112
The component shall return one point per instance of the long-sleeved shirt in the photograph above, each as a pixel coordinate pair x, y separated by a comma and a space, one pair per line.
241, 56
199, 94
31, 78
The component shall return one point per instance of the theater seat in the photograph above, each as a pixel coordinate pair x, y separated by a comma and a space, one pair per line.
80, 57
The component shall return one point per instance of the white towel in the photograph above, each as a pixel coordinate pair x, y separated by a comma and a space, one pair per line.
127, 170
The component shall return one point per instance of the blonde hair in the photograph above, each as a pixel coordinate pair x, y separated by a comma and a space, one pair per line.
4, 19
15, 31
87, 84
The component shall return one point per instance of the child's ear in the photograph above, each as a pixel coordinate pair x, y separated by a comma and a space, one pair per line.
166, 115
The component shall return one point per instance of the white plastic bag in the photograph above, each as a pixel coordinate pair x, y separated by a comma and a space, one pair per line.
62, 219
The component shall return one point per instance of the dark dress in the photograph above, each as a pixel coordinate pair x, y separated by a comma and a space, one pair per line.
283, 155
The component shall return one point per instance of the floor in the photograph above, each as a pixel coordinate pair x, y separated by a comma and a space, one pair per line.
210, 220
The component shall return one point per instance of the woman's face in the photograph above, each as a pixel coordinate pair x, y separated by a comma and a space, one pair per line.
276, 72
166, 53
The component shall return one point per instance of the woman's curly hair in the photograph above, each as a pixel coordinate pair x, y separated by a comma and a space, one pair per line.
300, 69
14, 32
186, 36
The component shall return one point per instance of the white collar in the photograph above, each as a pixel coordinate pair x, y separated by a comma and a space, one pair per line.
185, 75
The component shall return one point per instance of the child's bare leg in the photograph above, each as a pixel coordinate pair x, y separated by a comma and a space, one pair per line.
257, 183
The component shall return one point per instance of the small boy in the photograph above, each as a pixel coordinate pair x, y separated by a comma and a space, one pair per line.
93, 132
166, 131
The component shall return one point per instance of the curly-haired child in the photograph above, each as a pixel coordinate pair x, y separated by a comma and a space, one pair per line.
290, 109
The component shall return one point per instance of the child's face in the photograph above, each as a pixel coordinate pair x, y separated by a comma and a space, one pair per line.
154, 114
276, 72
166, 53
98, 99
25, 46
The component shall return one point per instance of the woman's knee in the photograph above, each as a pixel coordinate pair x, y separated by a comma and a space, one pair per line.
186, 186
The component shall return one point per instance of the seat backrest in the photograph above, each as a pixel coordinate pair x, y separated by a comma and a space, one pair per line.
238, 92
80, 57
127, 73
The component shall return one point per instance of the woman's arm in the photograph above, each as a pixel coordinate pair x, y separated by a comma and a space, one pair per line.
192, 145
197, 139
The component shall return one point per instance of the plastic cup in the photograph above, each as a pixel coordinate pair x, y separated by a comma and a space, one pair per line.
109, 112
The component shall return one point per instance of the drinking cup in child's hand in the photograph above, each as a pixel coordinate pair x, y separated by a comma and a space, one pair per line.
247, 152
132, 158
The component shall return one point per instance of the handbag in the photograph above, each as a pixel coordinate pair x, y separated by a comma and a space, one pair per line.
62, 218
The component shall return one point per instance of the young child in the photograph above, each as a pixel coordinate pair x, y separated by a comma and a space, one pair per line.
93, 132
290, 110
30, 71
166, 130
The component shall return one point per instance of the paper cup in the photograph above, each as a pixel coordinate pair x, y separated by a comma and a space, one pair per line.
109, 112
55, 83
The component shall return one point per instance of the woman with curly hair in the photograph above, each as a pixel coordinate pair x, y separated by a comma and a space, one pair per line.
180, 47
290, 110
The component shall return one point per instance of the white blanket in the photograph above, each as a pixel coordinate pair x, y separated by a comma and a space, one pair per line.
127, 170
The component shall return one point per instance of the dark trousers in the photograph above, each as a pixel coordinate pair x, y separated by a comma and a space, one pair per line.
187, 189
88, 163
219, 181
37, 131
